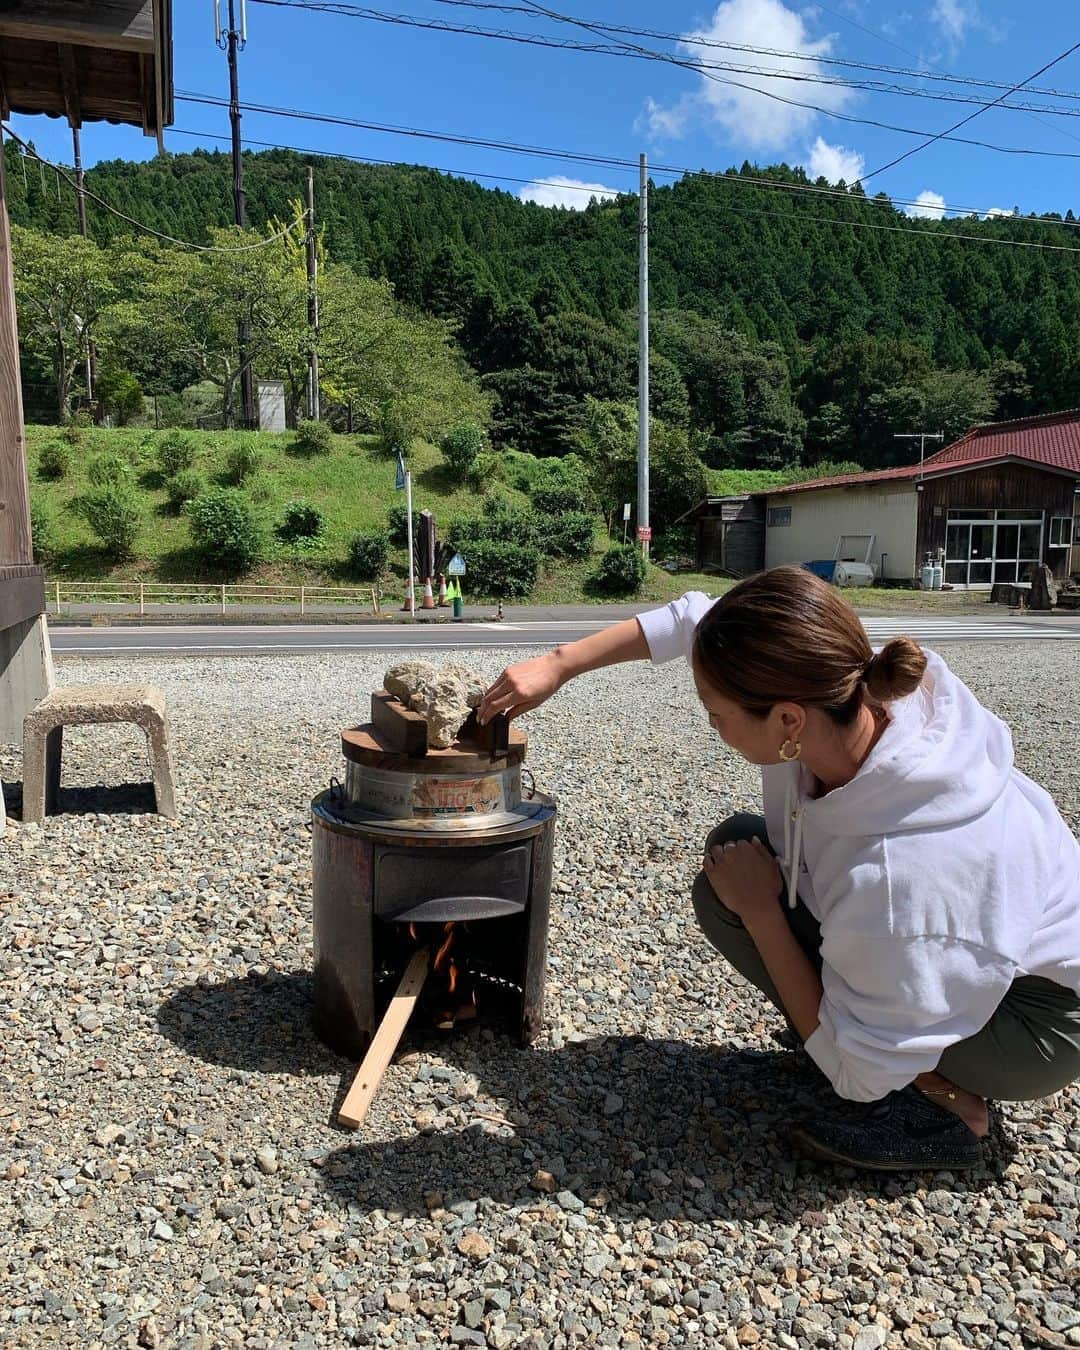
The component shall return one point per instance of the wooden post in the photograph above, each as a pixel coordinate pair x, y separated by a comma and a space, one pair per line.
15, 546
369, 1075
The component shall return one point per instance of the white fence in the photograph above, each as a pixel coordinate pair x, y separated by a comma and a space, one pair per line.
61, 596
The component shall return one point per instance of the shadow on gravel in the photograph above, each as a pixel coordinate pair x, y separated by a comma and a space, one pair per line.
134, 799
663, 1128
256, 1022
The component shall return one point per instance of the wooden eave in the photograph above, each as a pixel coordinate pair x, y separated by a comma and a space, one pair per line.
88, 61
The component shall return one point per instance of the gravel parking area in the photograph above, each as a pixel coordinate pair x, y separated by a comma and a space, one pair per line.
172, 1175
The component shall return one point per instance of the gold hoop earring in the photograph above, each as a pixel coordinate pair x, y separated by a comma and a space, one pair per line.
794, 754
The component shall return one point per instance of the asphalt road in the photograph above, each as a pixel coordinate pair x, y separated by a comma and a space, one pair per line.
207, 640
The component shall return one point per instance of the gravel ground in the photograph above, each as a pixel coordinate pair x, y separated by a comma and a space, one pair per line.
172, 1174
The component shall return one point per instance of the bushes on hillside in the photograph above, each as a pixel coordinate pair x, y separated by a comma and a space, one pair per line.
397, 523
184, 488
621, 571
111, 509
569, 535
41, 531
312, 438
501, 522
108, 468
224, 528
461, 449
176, 452
54, 460
503, 569
244, 460
368, 555
300, 521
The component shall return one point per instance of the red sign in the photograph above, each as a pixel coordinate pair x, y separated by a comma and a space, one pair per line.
644, 533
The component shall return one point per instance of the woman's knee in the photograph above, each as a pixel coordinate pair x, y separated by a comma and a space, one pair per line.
741, 825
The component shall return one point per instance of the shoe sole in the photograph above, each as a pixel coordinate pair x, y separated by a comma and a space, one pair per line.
823, 1154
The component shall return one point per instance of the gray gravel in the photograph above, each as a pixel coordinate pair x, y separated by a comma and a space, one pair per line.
172, 1175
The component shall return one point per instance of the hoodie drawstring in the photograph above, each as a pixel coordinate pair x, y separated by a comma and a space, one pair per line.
793, 817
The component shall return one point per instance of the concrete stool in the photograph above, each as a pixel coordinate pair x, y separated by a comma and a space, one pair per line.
84, 704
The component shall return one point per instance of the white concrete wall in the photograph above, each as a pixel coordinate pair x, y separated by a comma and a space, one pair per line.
818, 518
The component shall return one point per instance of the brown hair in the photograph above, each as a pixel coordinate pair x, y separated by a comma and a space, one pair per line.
786, 636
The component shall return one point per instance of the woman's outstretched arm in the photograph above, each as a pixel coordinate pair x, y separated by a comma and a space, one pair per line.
527, 684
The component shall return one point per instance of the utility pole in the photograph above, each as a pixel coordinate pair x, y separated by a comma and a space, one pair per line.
313, 300
644, 532
233, 40
922, 437
80, 202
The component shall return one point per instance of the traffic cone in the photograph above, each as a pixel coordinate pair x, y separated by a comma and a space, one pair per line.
444, 597
409, 607
429, 598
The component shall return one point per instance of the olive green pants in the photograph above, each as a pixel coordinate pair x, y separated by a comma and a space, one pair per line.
1029, 1048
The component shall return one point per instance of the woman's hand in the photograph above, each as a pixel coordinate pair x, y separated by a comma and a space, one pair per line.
522, 687
746, 879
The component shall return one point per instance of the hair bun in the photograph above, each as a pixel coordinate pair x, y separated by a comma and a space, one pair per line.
895, 671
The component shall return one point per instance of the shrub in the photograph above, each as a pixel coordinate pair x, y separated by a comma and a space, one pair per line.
569, 535
244, 460
183, 488
502, 522
108, 468
368, 554
120, 394
398, 526
301, 520
54, 460
313, 438
74, 431
111, 509
621, 571
176, 452
461, 447
41, 530
561, 485
489, 468
502, 569
224, 528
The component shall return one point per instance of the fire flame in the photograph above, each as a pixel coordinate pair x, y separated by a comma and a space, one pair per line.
444, 960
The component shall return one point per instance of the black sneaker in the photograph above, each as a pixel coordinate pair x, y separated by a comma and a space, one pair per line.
905, 1131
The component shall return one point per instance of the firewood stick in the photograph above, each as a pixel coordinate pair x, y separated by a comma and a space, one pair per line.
369, 1075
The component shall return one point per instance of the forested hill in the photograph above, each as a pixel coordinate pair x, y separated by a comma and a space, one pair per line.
785, 326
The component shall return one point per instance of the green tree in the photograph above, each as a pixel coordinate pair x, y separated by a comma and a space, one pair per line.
62, 287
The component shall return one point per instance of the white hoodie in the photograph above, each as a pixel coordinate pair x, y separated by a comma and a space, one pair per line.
938, 875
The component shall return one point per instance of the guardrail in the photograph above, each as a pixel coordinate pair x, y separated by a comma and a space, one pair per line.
160, 593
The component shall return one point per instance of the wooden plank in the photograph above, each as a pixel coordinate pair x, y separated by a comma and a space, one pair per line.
124, 24
22, 594
15, 545
403, 729
369, 1075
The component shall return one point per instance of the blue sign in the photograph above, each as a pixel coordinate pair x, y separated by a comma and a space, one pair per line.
456, 566
399, 481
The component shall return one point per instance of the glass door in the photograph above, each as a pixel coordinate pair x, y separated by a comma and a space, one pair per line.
987, 546
957, 552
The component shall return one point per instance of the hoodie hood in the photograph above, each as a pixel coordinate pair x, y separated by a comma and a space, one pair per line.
942, 760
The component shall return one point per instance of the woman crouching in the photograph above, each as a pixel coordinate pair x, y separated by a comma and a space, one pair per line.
909, 900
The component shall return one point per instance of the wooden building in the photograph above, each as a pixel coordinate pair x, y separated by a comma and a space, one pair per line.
729, 534
1002, 498
84, 60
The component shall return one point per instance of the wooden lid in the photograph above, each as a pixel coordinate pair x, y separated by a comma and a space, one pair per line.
368, 745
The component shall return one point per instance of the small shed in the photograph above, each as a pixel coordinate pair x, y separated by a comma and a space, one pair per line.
729, 534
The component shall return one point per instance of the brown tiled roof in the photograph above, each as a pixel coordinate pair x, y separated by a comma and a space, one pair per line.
1051, 439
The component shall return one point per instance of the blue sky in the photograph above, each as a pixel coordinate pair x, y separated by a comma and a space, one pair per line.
330, 63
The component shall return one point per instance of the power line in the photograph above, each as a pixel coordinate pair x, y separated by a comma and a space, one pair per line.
698, 40
923, 233
971, 116
636, 52
594, 160
147, 229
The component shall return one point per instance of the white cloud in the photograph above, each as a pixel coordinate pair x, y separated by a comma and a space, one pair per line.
955, 18
664, 124
835, 162
997, 213
571, 192
928, 206
740, 113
